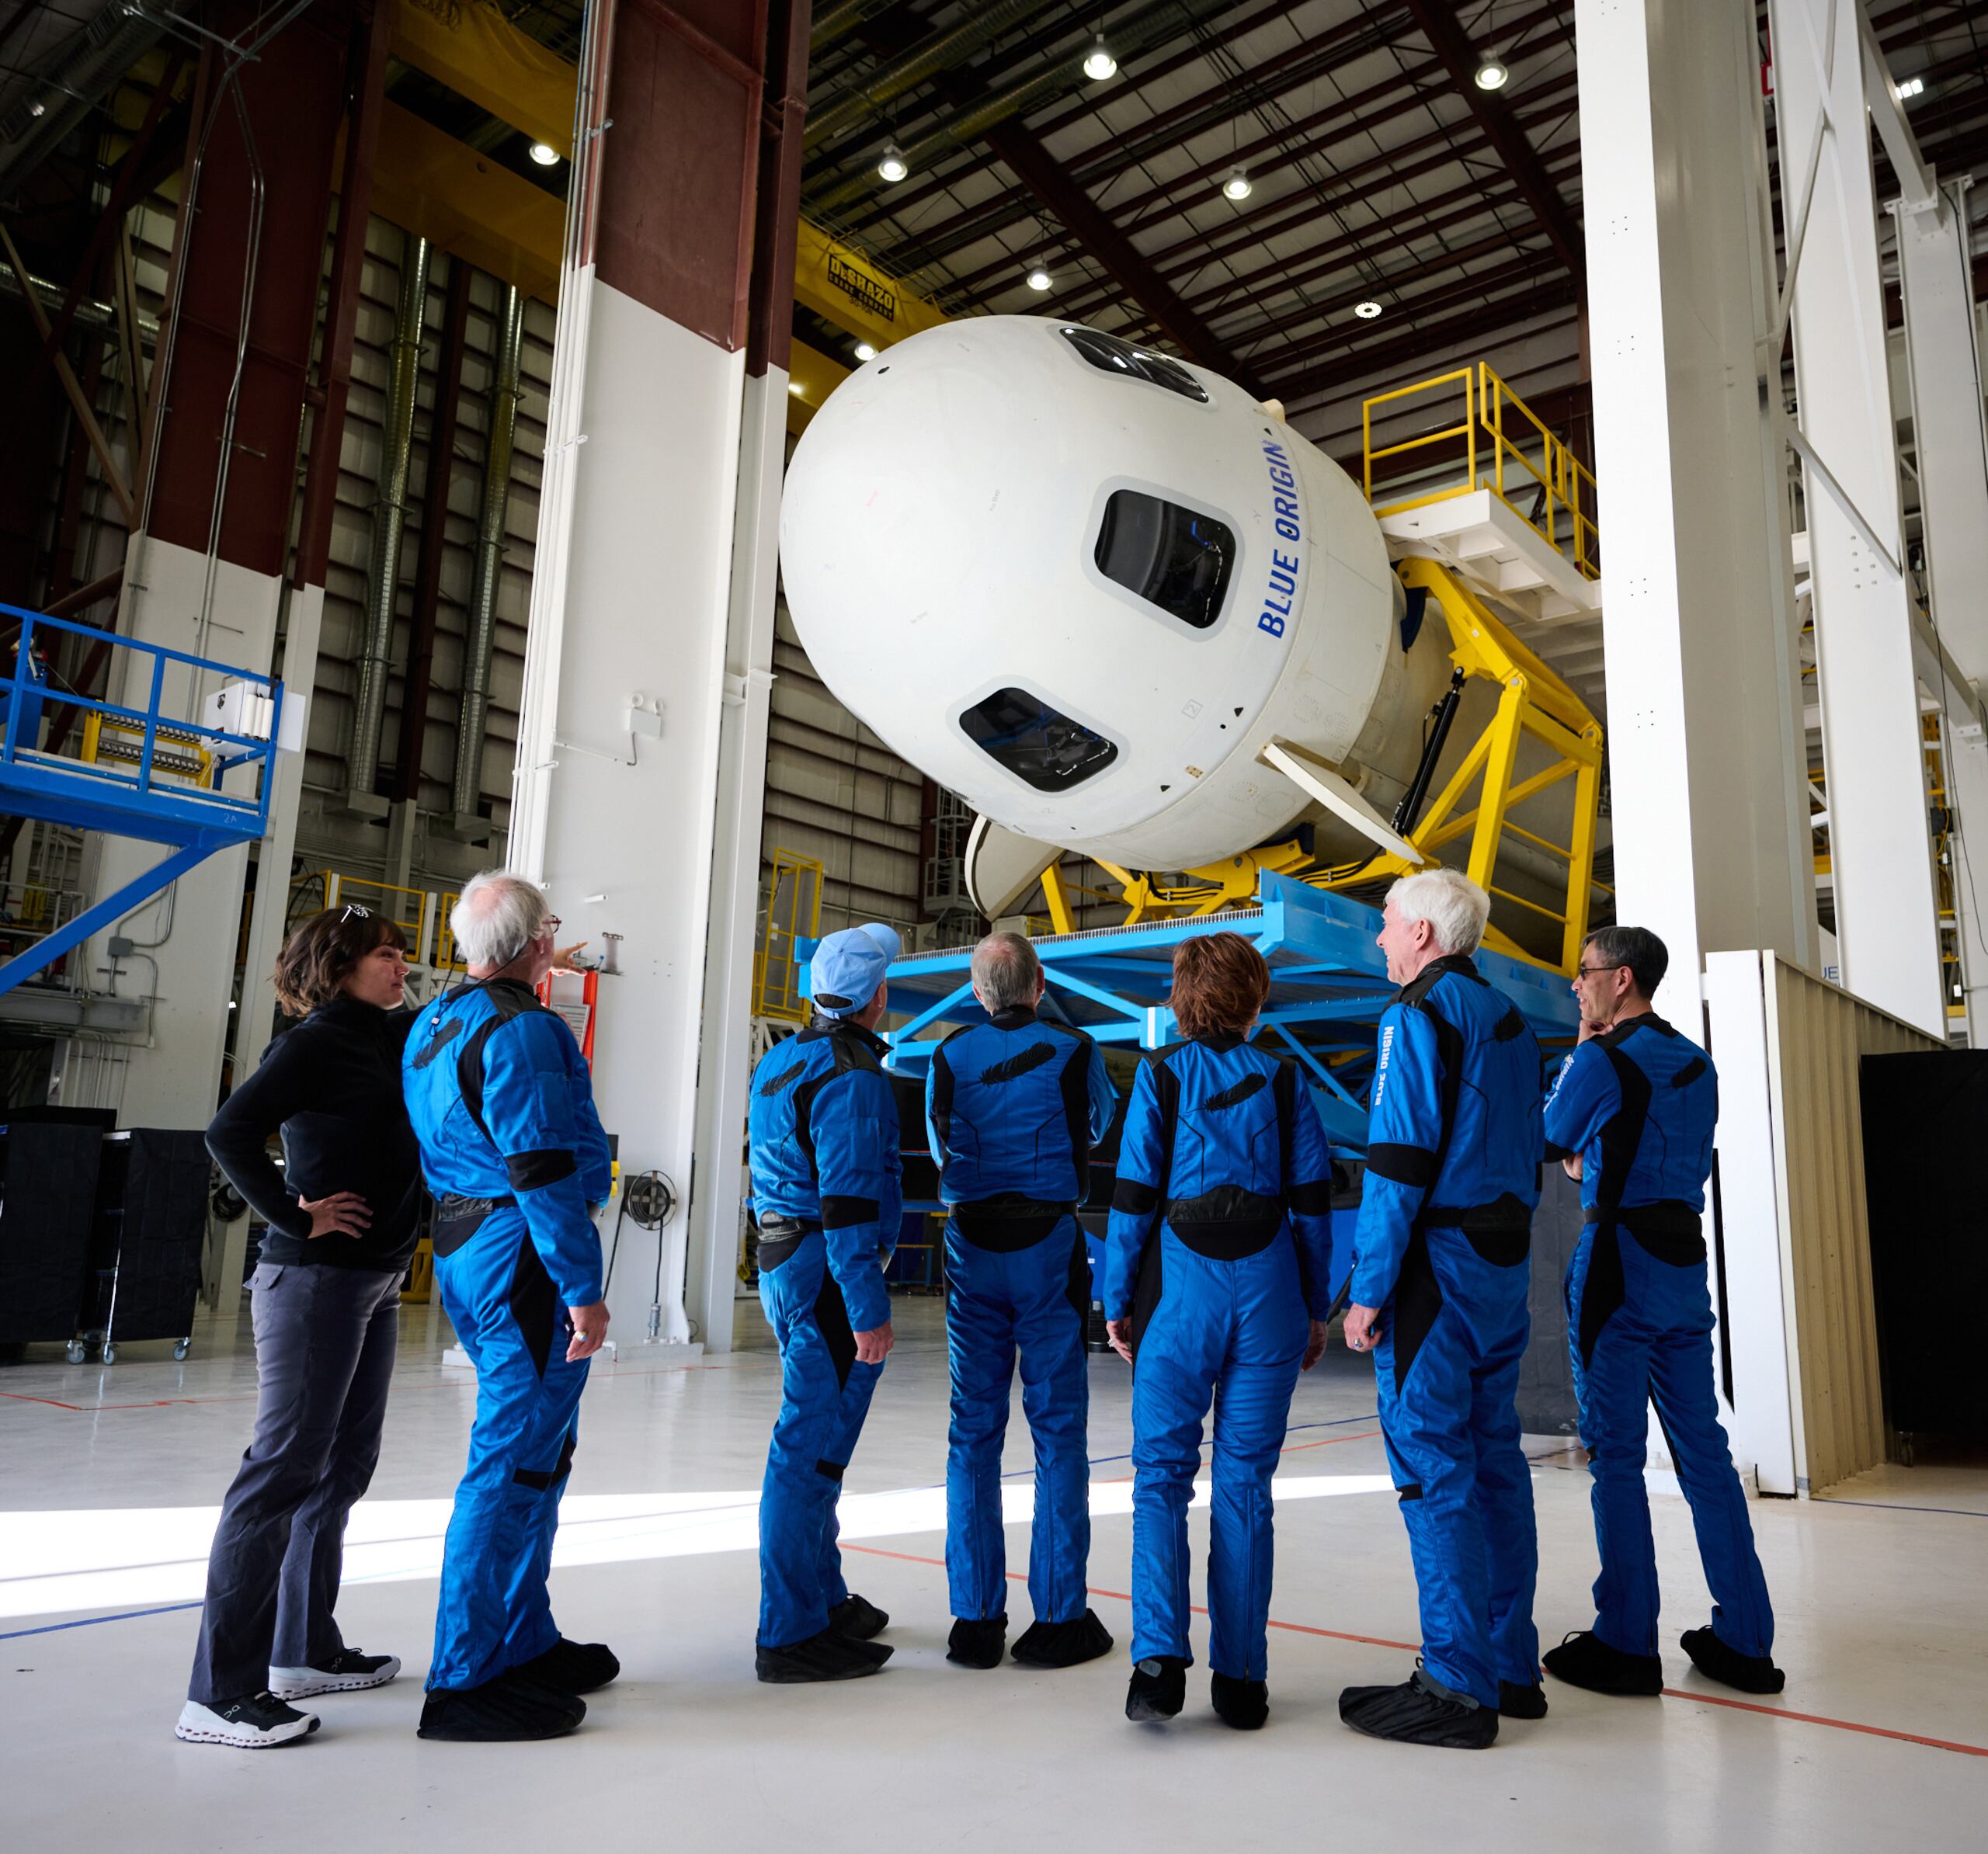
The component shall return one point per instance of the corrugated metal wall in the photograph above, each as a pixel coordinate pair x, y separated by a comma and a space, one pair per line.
1819, 1034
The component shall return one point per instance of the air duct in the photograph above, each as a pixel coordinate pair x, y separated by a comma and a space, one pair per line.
383, 570
76, 77
98, 318
480, 636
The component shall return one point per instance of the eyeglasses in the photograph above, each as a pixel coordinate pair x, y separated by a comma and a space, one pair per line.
1595, 971
553, 924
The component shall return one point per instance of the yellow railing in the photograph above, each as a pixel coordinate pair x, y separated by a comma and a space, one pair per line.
793, 912
407, 907
1507, 450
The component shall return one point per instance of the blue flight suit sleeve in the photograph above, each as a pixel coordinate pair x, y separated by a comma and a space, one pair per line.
1404, 1130
596, 1161
1136, 1198
931, 1139
537, 1127
1586, 1096
1308, 1196
1103, 1101
854, 1124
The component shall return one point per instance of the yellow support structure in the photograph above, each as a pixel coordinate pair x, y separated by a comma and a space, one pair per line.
1061, 919
1533, 702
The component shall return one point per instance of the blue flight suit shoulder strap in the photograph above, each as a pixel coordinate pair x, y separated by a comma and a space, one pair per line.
850, 1048
508, 998
1075, 1081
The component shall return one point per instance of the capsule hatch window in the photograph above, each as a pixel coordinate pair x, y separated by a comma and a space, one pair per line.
1110, 354
1175, 558
1036, 742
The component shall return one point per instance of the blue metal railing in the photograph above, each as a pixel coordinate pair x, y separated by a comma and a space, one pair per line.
25, 692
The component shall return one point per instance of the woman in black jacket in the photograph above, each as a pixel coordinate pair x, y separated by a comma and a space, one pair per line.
341, 1216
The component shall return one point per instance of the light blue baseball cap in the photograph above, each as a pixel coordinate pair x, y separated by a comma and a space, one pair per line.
848, 967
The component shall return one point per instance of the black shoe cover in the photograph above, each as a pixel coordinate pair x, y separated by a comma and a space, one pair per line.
1245, 1704
1584, 1659
1717, 1660
508, 1710
1419, 1712
1516, 1702
827, 1656
1064, 1644
977, 1644
857, 1619
571, 1667
1159, 1688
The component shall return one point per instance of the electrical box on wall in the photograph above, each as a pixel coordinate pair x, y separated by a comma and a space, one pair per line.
244, 708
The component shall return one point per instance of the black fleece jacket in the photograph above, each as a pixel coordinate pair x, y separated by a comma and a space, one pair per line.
331, 1084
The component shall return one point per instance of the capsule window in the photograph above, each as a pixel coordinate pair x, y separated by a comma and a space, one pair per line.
1035, 742
1111, 354
1173, 557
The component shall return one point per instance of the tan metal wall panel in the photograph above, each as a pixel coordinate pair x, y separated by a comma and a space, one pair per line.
1819, 1034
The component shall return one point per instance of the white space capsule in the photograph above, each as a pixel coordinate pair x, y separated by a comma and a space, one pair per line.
1084, 585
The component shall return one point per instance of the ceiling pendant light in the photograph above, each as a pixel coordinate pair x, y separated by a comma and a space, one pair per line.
1039, 278
544, 154
865, 352
893, 166
1367, 310
1491, 72
1098, 63
1237, 186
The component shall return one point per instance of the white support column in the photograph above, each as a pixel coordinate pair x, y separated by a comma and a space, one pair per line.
186, 937
1944, 365
619, 825
1710, 806
716, 1208
1881, 851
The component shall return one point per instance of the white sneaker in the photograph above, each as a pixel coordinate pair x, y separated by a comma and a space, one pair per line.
347, 1671
252, 1724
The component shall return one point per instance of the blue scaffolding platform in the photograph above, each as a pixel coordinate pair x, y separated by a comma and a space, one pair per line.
145, 791
1329, 986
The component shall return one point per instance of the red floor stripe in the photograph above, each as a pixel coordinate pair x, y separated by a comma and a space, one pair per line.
1329, 1442
1379, 1641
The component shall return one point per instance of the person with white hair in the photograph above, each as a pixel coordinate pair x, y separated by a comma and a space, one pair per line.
1438, 1293
502, 1105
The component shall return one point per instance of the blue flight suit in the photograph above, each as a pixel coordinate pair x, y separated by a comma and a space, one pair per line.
502, 1105
1219, 1250
823, 1127
1638, 1104
1440, 1247
1013, 1108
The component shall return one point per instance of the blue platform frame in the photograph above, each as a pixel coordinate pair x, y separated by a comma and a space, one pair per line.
1329, 986
193, 823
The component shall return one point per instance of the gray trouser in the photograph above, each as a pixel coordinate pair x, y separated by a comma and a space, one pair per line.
324, 1355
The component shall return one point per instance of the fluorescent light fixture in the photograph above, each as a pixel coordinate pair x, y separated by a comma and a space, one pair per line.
1098, 63
1491, 72
893, 167
1910, 88
1367, 310
545, 154
865, 352
1039, 277
1237, 186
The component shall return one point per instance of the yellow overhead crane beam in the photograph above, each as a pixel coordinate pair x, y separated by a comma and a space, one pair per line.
432, 184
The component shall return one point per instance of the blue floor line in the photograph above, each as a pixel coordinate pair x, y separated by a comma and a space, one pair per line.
1899, 1506
88, 1621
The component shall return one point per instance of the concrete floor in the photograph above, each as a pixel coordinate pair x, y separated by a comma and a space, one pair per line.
112, 1478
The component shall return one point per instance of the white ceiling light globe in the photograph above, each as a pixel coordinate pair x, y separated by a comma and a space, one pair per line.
893, 167
1237, 186
1492, 74
1098, 63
